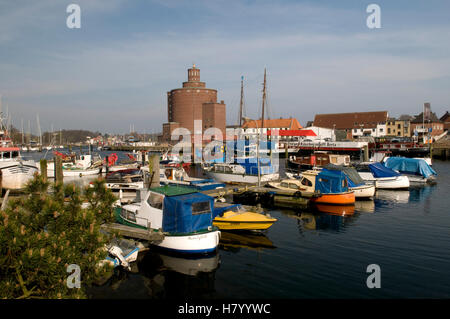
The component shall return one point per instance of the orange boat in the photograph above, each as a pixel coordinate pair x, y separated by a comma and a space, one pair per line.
347, 198
332, 185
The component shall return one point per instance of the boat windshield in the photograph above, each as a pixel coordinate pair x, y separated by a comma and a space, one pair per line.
6, 155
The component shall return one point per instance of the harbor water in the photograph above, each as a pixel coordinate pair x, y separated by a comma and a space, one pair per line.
311, 254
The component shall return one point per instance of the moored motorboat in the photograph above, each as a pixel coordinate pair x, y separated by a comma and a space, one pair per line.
183, 214
332, 187
355, 182
417, 170
15, 171
245, 172
381, 176
236, 217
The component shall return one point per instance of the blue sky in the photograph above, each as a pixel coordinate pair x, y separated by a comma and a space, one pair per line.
320, 58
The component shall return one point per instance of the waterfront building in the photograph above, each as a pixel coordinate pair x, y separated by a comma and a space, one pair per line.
356, 124
398, 127
193, 102
428, 126
445, 119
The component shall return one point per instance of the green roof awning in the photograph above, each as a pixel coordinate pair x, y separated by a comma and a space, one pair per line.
173, 190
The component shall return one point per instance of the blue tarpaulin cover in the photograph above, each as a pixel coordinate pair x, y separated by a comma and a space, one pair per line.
187, 213
378, 170
353, 177
251, 166
329, 182
410, 166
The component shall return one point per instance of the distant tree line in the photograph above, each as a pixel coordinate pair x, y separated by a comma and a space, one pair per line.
57, 137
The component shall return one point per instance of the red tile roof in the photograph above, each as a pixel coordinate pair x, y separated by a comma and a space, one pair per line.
351, 120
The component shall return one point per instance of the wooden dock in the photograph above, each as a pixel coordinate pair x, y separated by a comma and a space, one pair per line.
441, 149
133, 232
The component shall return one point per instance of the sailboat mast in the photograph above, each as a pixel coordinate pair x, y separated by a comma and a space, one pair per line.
23, 140
242, 101
263, 100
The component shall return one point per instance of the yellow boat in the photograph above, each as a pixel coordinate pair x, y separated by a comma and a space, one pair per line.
236, 217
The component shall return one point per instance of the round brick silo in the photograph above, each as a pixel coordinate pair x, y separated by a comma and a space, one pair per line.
185, 104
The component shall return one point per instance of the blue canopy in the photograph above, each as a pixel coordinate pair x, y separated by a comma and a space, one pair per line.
187, 213
329, 182
220, 210
410, 166
353, 178
378, 170
251, 165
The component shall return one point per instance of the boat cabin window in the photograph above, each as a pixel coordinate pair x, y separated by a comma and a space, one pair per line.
283, 184
201, 208
155, 200
293, 186
128, 215
13, 154
306, 182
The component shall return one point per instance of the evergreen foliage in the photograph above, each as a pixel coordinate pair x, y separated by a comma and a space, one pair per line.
44, 232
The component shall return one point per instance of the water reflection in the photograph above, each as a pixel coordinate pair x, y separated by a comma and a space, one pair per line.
234, 241
420, 193
338, 210
173, 276
396, 196
336, 221
365, 206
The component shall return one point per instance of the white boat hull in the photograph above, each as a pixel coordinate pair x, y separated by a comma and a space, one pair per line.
364, 191
74, 172
191, 244
396, 182
16, 176
116, 168
238, 178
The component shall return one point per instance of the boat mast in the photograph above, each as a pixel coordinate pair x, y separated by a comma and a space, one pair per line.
242, 101
262, 128
263, 100
21, 120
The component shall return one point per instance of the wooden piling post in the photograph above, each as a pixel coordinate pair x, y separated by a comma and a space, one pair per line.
43, 163
154, 171
58, 170
366, 153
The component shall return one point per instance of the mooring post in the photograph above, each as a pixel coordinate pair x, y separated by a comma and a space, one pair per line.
366, 153
107, 163
43, 163
58, 170
155, 171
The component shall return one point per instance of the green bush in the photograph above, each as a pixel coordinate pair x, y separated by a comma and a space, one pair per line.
48, 229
